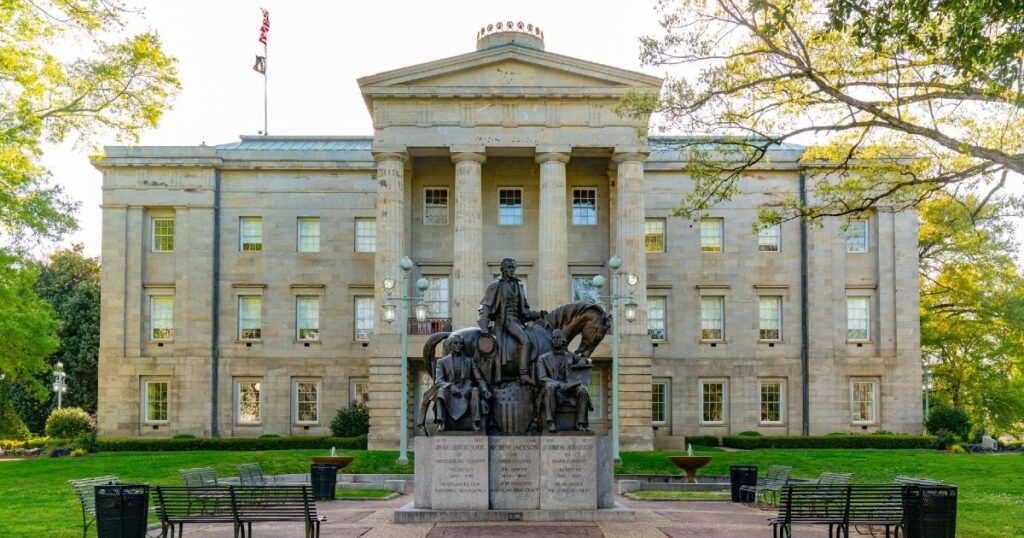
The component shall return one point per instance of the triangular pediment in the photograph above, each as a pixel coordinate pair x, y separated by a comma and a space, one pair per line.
508, 67
514, 73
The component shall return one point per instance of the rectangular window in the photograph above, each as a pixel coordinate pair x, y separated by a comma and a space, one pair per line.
156, 401
435, 206
307, 322
712, 318
654, 235
656, 325
858, 318
510, 206
712, 397
366, 235
584, 206
161, 317
250, 317
596, 389
307, 401
769, 239
359, 390
771, 398
857, 236
309, 234
365, 314
770, 314
247, 393
163, 235
659, 402
251, 233
711, 231
583, 290
864, 393
436, 296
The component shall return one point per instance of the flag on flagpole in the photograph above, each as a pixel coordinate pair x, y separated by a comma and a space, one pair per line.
261, 65
265, 27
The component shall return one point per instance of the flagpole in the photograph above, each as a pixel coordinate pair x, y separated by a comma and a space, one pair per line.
265, 108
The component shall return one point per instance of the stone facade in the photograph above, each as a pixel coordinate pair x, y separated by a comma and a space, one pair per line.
451, 138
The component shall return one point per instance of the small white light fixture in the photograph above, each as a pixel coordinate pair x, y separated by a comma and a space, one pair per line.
632, 279
630, 311
389, 284
390, 311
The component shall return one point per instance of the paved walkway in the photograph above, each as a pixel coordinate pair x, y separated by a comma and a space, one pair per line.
675, 519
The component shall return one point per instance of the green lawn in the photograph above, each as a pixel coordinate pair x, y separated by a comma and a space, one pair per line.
684, 495
364, 493
36, 500
991, 487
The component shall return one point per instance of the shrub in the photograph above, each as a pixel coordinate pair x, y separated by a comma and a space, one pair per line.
351, 421
949, 419
830, 441
750, 434
11, 427
229, 443
945, 440
78, 452
956, 449
269, 436
184, 436
69, 423
702, 440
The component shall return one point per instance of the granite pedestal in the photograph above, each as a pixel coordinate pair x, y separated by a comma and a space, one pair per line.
565, 476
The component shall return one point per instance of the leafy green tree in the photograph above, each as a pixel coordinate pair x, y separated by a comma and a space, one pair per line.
890, 124
972, 309
106, 86
70, 283
980, 40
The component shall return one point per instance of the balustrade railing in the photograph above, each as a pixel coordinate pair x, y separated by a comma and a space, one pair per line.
429, 326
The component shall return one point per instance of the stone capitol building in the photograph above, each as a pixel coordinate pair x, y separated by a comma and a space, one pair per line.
242, 283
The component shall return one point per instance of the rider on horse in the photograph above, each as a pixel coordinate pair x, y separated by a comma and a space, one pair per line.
505, 305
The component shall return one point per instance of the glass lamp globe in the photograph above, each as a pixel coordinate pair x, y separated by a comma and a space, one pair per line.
631, 311
389, 284
632, 279
422, 309
390, 312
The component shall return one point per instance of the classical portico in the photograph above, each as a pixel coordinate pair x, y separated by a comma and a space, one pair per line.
512, 114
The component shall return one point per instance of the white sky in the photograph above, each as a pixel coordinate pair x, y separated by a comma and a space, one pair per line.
317, 51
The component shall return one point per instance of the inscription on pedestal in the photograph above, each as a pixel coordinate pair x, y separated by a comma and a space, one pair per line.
567, 472
515, 473
459, 472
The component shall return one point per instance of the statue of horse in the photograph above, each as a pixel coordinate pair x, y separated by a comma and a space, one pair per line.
514, 400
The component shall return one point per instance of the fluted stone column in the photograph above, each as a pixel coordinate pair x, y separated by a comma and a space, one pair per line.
635, 346
552, 249
468, 257
385, 363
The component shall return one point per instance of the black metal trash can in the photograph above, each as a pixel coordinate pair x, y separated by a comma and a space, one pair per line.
122, 510
324, 477
929, 511
742, 475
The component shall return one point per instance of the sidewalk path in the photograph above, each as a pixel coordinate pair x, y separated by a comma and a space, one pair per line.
673, 519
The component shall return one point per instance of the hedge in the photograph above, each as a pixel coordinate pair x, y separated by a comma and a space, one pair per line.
829, 441
35, 442
702, 440
229, 443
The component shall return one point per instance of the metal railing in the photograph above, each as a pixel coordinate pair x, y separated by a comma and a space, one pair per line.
429, 326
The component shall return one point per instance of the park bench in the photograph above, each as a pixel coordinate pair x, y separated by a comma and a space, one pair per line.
277, 503
239, 505
177, 505
775, 479
86, 489
199, 477
251, 474
873, 505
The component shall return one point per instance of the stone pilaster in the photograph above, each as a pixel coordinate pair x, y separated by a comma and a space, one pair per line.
634, 345
468, 257
552, 251
385, 365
